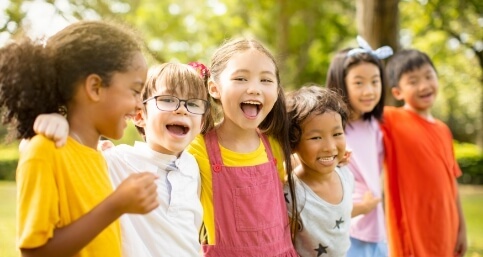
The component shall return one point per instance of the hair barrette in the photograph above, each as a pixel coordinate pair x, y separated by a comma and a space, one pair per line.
364, 47
201, 68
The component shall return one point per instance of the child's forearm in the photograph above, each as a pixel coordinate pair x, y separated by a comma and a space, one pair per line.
70, 239
358, 209
462, 222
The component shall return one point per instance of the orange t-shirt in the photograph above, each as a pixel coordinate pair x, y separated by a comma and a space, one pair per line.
421, 192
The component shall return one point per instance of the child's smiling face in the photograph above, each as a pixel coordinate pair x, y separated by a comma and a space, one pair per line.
322, 142
247, 88
418, 89
169, 132
363, 82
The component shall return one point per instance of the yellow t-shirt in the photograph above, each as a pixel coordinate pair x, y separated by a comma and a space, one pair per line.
198, 149
55, 187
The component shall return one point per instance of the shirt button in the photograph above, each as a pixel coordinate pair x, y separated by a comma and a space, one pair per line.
217, 167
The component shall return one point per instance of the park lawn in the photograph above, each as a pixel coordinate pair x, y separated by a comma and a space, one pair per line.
471, 196
472, 202
7, 219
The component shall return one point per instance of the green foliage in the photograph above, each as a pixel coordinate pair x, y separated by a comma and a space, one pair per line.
8, 161
7, 169
450, 32
470, 160
130, 136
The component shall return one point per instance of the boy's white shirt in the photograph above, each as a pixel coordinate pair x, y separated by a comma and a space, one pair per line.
172, 228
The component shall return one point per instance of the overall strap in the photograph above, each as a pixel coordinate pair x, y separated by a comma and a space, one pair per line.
213, 149
268, 149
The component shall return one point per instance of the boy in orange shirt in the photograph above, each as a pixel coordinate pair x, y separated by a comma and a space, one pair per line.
424, 214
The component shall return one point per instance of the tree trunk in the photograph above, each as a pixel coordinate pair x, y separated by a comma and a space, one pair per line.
282, 38
378, 23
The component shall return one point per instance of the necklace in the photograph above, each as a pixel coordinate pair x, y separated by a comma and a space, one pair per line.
76, 137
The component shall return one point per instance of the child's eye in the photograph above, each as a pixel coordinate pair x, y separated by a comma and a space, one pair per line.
240, 79
338, 134
165, 100
136, 92
191, 104
267, 80
315, 138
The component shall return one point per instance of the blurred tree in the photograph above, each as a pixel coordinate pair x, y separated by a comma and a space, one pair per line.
451, 32
303, 35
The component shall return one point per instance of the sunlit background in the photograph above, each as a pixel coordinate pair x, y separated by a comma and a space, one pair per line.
303, 35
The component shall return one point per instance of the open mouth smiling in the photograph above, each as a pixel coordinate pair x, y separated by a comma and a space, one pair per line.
251, 108
178, 129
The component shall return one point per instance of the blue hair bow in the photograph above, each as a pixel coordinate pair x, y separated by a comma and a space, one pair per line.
364, 47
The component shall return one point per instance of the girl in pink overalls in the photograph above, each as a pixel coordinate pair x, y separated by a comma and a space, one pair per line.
241, 157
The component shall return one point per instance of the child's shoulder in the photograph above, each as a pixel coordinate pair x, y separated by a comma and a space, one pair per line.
197, 144
345, 174
392, 110
39, 143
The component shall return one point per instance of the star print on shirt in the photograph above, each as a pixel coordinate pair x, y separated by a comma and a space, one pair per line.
338, 222
286, 197
321, 250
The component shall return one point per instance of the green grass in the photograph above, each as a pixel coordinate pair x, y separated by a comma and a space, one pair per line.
471, 196
7, 219
472, 202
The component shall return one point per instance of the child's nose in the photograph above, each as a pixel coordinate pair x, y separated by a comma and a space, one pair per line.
182, 108
254, 89
328, 145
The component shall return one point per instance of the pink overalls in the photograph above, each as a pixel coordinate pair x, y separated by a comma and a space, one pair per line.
251, 217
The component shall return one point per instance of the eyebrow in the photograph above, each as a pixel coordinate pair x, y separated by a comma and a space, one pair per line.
320, 130
360, 76
139, 83
247, 71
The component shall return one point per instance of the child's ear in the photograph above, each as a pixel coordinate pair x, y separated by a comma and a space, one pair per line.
213, 89
93, 87
396, 92
139, 119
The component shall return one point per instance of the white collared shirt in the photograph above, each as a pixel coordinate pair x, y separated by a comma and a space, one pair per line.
172, 228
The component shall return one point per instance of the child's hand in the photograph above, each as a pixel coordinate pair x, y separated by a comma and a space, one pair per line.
461, 243
104, 145
137, 194
54, 126
369, 202
345, 160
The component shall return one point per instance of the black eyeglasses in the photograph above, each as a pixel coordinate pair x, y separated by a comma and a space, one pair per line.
172, 103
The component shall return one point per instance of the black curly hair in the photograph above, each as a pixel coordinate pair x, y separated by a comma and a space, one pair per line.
37, 77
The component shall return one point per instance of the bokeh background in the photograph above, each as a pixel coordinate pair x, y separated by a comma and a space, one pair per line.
303, 35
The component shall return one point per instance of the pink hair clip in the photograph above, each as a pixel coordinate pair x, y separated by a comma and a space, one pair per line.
201, 68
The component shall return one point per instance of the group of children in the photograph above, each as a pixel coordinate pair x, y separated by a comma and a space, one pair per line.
215, 171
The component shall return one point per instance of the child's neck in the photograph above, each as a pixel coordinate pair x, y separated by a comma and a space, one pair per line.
425, 114
327, 186
355, 116
237, 139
